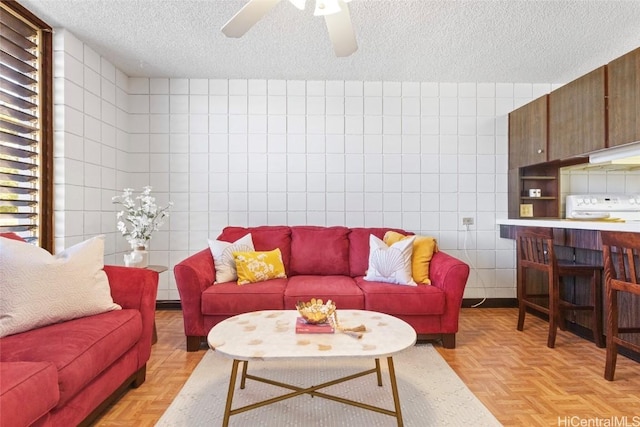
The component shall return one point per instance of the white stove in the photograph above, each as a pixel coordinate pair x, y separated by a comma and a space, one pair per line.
603, 207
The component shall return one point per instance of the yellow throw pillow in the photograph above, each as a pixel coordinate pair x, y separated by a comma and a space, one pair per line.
255, 267
423, 249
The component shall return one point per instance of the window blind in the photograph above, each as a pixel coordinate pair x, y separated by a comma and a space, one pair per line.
21, 112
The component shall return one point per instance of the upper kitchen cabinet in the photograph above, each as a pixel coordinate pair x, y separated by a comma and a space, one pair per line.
624, 99
577, 116
528, 134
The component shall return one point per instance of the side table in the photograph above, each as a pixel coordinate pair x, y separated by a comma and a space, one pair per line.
158, 269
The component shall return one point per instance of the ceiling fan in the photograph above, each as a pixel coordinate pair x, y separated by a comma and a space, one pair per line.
335, 12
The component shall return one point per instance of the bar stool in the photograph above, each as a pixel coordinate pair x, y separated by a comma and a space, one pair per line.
535, 251
622, 274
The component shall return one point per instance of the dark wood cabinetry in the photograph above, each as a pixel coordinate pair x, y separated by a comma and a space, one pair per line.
577, 116
598, 110
528, 134
543, 177
623, 81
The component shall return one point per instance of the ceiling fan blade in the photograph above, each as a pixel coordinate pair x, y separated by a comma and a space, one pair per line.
246, 17
341, 31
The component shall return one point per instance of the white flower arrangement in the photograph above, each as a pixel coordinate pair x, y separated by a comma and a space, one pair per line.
141, 215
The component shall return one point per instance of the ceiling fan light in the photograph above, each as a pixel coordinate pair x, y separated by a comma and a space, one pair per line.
326, 7
299, 3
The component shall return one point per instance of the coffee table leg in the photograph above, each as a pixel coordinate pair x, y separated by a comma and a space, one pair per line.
244, 374
232, 386
394, 391
378, 373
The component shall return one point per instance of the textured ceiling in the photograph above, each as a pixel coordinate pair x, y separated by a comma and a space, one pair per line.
408, 40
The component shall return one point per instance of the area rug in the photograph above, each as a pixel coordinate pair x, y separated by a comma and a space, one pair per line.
431, 394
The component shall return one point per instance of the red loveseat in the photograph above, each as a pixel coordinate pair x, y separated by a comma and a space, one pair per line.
320, 262
65, 374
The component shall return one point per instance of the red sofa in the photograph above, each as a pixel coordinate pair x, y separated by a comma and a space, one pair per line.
320, 262
65, 374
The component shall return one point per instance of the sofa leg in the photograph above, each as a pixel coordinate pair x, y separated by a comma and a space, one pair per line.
449, 340
140, 377
193, 343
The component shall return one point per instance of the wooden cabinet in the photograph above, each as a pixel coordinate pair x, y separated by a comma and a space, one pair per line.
598, 110
544, 178
528, 134
623, 81
577, 116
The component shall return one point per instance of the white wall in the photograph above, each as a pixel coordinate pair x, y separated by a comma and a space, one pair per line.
90, 144
419, 156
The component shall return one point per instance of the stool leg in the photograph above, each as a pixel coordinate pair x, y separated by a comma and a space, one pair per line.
554, 302
522, 295
596, 283
612, 332
562, 324
521, 312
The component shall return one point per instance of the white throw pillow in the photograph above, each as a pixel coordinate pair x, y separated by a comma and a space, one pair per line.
223, 256
390, 264
40, 289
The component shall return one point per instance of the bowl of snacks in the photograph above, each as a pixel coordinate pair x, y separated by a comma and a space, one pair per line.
316, 311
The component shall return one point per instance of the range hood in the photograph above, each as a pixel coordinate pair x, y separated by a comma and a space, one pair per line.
627, 154
621, 158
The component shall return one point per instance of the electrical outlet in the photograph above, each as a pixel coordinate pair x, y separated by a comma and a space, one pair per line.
467, 221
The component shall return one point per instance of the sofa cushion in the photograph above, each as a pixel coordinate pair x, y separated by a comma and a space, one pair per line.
80, 349
319, 250
32, 382
39, 289
340, 289
222, 253
265, 238
359, 248
402, 300
423, 249
229, 299
390, 264
257, 266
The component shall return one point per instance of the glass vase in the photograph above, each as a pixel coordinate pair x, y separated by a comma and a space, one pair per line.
138, 257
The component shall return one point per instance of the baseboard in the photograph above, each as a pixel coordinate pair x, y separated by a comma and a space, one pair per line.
168, 305
489, 302
466, 303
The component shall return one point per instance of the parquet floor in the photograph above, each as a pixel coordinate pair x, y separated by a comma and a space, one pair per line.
520, 380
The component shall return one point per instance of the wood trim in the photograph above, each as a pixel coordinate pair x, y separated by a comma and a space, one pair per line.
47, 204
46, 211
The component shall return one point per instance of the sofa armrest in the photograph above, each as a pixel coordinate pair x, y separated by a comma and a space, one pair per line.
449, 274
136, 288
193, 275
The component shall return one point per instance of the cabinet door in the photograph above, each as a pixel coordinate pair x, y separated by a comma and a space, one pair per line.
528, 134
577, 116
623, 81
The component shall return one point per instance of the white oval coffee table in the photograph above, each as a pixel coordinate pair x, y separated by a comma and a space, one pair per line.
270, 335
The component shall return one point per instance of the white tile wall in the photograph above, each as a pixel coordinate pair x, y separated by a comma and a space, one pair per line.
85, 127
101, 143
415, 155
